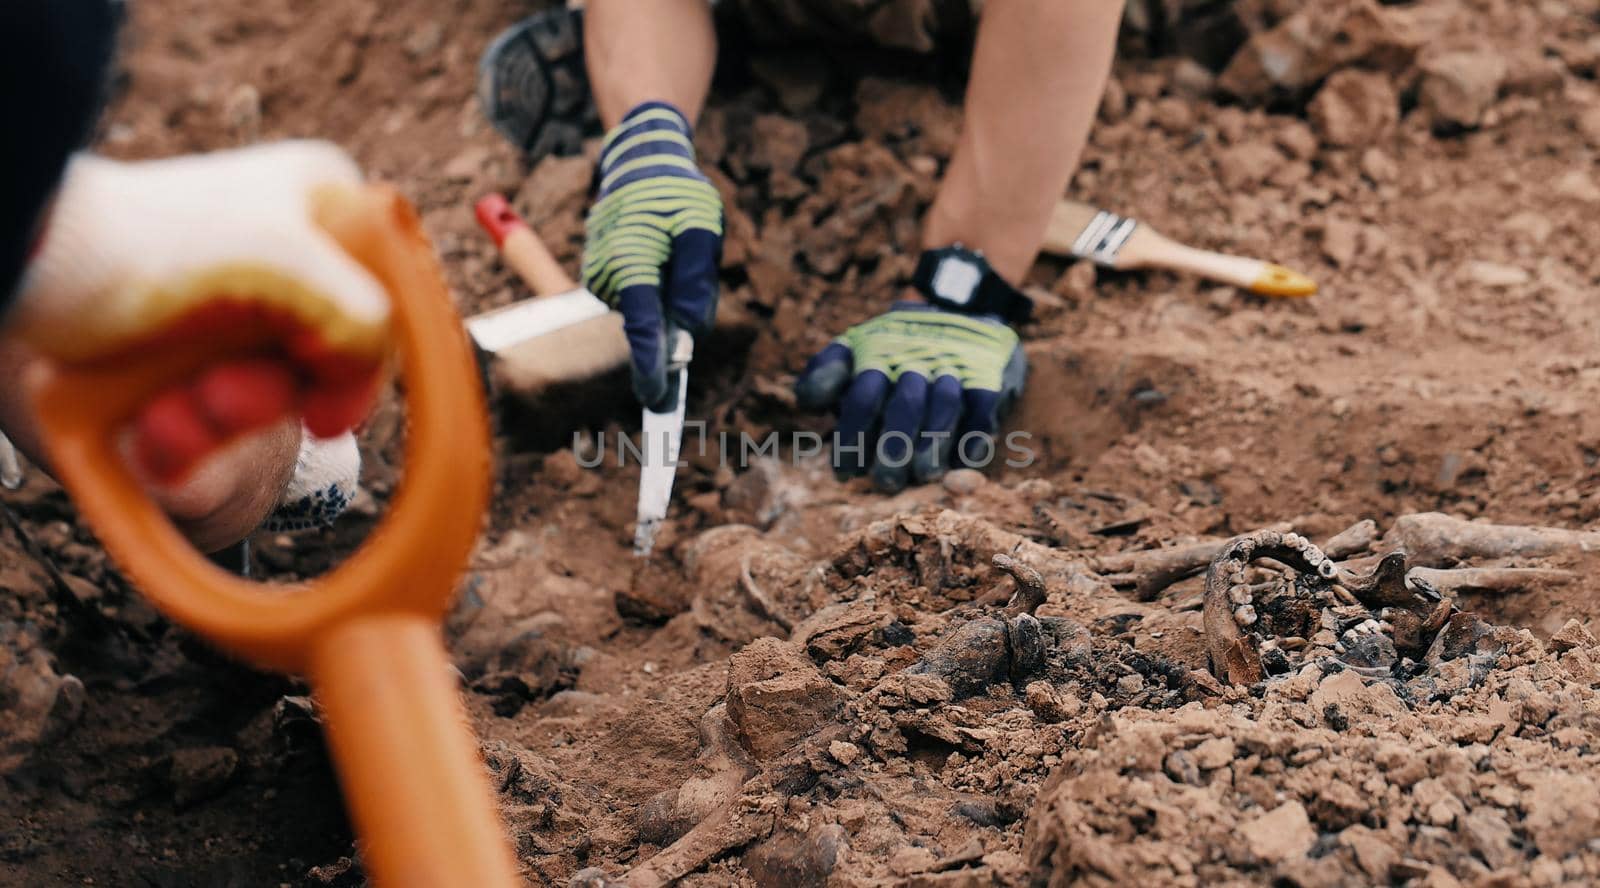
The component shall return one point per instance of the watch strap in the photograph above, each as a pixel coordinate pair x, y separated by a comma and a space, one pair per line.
992, 294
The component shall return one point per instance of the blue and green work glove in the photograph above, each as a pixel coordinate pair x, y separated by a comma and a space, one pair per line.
654, 239
918, 389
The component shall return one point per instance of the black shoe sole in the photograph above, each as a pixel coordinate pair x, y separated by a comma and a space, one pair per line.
534, 88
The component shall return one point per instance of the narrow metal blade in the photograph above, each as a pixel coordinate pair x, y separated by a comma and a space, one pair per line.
663, 436
10, 465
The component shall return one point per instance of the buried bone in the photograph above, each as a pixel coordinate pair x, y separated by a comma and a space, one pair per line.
1432, 539
1231, 611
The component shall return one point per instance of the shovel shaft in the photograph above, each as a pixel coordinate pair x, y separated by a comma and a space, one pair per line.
417, 788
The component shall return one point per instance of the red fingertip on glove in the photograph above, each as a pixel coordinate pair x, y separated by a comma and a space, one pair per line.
171, 435
246, 395
330, 391
337, 406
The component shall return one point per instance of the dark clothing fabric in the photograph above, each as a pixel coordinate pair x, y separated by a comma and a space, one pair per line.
54, 55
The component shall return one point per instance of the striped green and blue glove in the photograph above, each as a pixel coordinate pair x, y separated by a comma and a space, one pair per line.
654, 239
918, 389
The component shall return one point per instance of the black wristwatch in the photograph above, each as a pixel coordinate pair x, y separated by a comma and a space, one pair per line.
961, 280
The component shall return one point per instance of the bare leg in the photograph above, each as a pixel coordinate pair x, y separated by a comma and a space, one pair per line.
1037, 75
657, 50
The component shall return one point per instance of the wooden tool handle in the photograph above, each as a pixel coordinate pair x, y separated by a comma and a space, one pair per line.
1149, 248
521, 247
1257, 276
410, 769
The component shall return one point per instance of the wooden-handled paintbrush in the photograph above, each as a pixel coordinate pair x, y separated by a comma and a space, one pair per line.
1113, 241
563, 334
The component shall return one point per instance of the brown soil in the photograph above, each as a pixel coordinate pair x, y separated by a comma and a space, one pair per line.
817, 684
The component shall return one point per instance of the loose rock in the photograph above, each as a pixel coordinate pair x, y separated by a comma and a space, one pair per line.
1354, 108
201, 773
776, 696
1280, 834
1459, 87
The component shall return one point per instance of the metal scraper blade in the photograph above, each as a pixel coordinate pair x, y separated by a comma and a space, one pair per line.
663, 436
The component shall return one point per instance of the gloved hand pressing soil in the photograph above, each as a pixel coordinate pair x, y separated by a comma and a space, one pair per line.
918, 389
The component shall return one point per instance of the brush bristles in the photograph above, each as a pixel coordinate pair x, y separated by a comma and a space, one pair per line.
574, 353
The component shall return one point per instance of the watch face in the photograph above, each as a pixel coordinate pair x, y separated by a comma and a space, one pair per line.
956, 279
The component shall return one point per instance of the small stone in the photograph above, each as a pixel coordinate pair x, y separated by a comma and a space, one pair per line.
1546, 871
1281, 834
1494, 275
242, 111
1192, 79
1458, 87
1374, 853
789, 858
1578, 185
1242, 167
1347, 691
466, 164
425, 40
562, 468
1049, 704
776, 696
1298, 141
1214, 753
1114, 103
777, 142
1180, 766
844, 753
38, 704
1341, 239
1077, 282
1436, 803
201, 773
1316, 39
911, 859
1588, 124
1173, 115
1378, 166
1487, 833
964, 482
1354, 108
1571, 635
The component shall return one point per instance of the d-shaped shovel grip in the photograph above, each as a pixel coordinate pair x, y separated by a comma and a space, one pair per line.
367, 633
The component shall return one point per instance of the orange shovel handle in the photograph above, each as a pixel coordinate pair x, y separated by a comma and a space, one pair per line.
367, 632
415, 784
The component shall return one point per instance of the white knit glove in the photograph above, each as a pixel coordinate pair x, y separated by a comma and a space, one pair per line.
132, 248
138, 254
324, 483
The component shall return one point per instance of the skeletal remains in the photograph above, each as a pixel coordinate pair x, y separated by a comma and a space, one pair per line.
1326, 607
1271, 597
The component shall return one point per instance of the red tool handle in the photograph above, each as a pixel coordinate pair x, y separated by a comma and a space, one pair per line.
521, 247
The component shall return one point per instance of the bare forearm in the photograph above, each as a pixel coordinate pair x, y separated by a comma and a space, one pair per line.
1037, 76
659, 50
